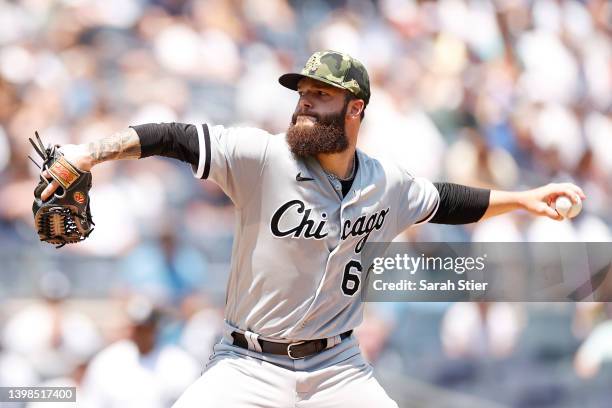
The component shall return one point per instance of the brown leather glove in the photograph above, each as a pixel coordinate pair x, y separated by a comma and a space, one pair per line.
64, 218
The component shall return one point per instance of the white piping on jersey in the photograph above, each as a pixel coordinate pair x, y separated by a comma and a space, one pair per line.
203, 147
431, 214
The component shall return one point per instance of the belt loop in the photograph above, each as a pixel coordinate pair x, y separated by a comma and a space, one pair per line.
332, 341
253, 341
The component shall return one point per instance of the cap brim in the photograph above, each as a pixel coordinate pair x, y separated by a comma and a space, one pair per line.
291, 80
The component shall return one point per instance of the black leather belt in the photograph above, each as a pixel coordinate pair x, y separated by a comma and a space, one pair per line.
296, 350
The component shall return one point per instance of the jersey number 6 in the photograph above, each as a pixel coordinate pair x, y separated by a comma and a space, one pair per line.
351, 281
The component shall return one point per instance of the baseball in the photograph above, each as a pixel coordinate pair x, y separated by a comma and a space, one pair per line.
567, 208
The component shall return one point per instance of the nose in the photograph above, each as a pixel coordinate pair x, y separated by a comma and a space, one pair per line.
304, 104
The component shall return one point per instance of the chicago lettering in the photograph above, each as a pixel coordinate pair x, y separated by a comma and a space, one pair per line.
363, 227
307, 227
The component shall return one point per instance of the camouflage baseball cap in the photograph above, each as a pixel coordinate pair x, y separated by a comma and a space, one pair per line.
336, 69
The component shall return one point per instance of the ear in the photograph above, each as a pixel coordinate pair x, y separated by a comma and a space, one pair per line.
355, 108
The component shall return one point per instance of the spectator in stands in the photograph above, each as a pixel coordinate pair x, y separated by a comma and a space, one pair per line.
138, 371
50, 334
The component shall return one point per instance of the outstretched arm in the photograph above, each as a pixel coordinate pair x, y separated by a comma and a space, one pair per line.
176, 140
124, 144
463, 205
537, 201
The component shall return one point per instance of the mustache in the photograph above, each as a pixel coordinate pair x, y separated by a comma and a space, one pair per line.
300, 113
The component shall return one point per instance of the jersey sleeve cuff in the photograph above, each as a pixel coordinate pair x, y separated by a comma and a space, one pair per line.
432, 213
204, 161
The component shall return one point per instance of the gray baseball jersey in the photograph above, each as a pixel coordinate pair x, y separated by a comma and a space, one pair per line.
296, 260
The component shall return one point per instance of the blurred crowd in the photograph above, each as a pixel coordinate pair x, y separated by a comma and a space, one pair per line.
143, 355
505, 94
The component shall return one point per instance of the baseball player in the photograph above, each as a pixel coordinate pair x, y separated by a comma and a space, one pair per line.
306, 203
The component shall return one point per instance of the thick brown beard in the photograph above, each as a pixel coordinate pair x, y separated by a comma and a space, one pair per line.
326, 135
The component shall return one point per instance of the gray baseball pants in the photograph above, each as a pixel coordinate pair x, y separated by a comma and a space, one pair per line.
239, 378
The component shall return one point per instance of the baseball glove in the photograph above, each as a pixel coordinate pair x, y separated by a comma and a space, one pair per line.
65, 217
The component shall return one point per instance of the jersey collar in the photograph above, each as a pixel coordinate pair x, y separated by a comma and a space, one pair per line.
317, 172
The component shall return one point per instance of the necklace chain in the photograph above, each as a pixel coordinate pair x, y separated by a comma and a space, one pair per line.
334, 177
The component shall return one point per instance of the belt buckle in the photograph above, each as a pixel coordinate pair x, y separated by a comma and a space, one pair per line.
297, 343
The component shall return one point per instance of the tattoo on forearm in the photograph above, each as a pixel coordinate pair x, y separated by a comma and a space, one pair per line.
122, 145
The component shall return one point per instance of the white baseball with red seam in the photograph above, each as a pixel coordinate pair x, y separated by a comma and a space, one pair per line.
566, 208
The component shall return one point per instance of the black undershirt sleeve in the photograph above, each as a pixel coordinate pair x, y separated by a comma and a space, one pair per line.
460, 204
175, 140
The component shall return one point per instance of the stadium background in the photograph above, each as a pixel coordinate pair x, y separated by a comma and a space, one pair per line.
506, 94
